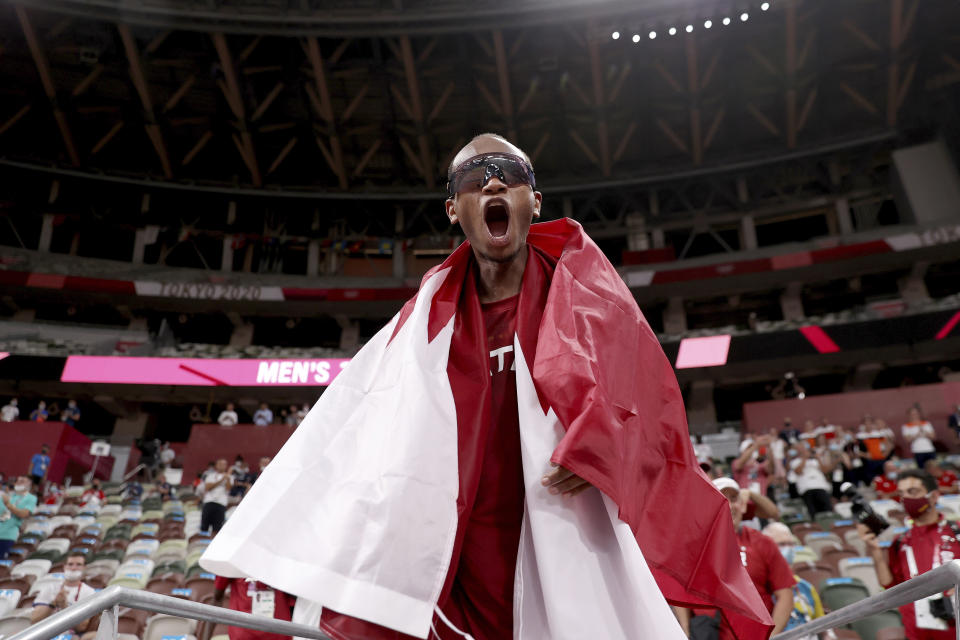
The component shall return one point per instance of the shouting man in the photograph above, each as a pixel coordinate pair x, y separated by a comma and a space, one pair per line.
507, 458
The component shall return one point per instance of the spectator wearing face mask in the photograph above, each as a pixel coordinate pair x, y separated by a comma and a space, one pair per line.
886, 483
57, 596
806, 600
15, 508
930, 542
920, 434
812, 471
754, 467
93, 497
946, 480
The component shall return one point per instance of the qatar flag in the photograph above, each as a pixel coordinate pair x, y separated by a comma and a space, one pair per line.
358, 511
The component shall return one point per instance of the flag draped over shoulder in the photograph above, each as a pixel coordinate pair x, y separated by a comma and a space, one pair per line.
600, 367
358, 510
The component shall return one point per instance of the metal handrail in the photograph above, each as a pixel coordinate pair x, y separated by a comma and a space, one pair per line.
113, 597
931, 583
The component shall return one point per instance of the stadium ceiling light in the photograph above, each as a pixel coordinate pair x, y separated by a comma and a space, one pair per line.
615, 35
653, 35
672, 31
764, 6
726, 21
689, 28
636, 38
744, 16
707, 24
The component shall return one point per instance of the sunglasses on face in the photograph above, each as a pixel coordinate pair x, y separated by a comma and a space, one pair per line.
474, 173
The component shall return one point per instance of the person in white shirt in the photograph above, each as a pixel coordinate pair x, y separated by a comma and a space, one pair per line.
55, 596
228, 417
216, 491
919, 434
167, 455
811, 471
10, 411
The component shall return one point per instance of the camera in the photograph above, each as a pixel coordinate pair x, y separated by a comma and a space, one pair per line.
862, 510
942, 608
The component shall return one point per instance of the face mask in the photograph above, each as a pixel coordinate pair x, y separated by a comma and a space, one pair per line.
915, 507
791, 452
787, 551
21, 488
72, 576
892, 475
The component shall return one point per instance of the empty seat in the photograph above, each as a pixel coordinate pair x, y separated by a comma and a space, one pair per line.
820, 540
200, 588
832, 557
836, 593
13, 624
31, 569
870, 627
143, 547
20, 584
59, 545
161, 626
805, 554
49, 579
816, 574
863, 569
852, 539
9, 598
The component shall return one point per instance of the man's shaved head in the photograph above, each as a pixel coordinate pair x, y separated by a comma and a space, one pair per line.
479, 144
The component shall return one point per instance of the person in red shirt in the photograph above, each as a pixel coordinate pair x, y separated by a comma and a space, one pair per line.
930, 542
93, 496
763, 561
885, 484
946, 480
257, 598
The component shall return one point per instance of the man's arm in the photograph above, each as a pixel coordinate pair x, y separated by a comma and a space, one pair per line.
782, 609
212, 485
744, 457
17, 511
683, 617
766, 508
40, 611
880, 564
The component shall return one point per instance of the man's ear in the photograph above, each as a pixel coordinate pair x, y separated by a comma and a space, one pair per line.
537, 200
451, 208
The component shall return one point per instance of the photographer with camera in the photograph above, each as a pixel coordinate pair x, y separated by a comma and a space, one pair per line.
930, 542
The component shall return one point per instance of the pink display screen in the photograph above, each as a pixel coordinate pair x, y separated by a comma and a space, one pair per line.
202, 372
710, 351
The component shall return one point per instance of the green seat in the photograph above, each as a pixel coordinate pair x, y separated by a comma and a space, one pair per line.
836, 593
194, 570
827, 518
870, 627
52, 555
108, 554
178, 566
791, 519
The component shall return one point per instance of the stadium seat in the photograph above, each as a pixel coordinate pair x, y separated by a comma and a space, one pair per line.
59, 545
841, 634
161, 626
9, 598
803, 528
892, 633
844, 509
130, 581
821, 540
162, 585
31, 569
804, 554
50, 578
104, 564
852, 539
13, 624
870, 627
832, 557
836, 593
863, 569
883, 507
20, 584
142, 547
826, 519
815, 574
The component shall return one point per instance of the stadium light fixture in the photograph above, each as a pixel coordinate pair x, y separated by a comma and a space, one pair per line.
636, 38
615, 35
726, 21
672, 31
653, 35
707, 24
744, 16
764, 6
689, 28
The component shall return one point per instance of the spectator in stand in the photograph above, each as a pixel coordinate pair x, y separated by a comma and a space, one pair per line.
811, 468
71, 415
292, 419
806, 600
93, 497
40, 414
788, 434
930, 542
10, 411
133, 490
167, 491
946, 480
753, 469
167, 455
919, 434
13, 510
953, 420
264, 461
758, 506
304, 410
149, 456
702, 450
53, 494
55, 596
39, 465
228, 417
764, 563
216, 489
263, 416
876, 441
239, 473
257, 598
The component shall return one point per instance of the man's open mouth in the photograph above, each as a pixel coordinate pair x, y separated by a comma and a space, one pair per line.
497, 218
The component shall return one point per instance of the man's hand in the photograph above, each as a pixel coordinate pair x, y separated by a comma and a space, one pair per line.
565, 482
60, 601
869, 538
